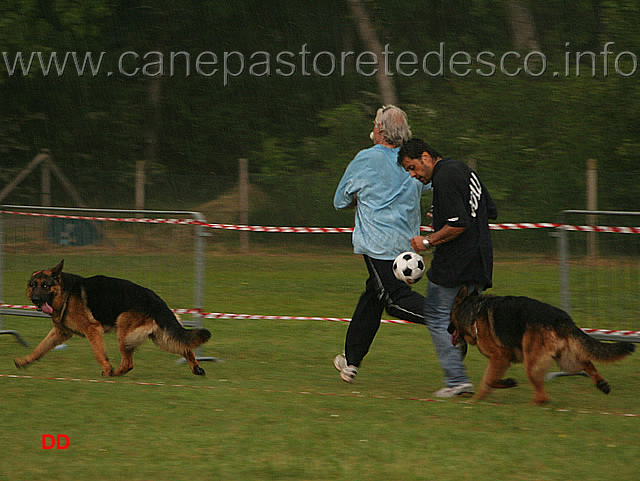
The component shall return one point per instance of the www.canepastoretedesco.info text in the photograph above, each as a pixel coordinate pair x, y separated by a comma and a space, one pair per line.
307, 63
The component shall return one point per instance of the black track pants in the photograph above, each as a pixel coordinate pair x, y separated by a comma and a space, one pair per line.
383, 291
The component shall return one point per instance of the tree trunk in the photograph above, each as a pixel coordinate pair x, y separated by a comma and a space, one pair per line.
151, 140
368, 36
523, 26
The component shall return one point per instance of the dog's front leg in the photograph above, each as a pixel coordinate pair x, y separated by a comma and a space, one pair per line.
51, 340
95, 336
498, 365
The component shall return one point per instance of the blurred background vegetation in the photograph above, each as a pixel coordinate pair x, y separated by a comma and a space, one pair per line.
529, 136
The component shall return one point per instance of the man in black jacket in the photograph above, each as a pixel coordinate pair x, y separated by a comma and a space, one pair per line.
462, 207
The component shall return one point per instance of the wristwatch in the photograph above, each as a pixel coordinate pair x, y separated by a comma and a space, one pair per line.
427, 244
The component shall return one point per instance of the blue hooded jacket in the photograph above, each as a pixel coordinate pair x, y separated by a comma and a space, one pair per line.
387, 202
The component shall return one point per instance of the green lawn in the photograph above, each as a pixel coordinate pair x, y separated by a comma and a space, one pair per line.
274, 406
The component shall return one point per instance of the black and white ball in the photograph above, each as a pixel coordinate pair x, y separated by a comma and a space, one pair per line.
409, 267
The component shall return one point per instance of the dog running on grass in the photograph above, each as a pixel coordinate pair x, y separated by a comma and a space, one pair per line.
91, 306
520, 329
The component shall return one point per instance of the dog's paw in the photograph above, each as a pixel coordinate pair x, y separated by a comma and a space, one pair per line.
604, 386
506, 383
20, 363
108, 373
481, 394
198, 371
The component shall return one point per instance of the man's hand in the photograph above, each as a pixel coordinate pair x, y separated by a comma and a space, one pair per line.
446, 234
417, 243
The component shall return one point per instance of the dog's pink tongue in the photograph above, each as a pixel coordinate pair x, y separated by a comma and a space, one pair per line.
455, 338
46, 308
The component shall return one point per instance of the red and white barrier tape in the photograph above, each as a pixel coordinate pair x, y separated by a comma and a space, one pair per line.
609, 332
315, 230
322, 230
227, 315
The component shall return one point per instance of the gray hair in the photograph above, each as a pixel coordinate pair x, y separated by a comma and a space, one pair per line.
393, 125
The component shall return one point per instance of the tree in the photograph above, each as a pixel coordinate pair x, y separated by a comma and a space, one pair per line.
523, 26
369, 38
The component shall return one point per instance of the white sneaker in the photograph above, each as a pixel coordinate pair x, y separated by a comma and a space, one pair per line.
347, 373
464, 390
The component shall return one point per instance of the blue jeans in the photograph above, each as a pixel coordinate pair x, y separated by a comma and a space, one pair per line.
438, 304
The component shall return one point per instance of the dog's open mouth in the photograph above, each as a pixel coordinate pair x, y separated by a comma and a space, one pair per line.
457, 340
46, 308
455, 335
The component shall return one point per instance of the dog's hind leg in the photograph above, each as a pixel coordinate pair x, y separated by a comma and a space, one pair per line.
95, 336
598, 380
193, 363
132, 330
51, 340
538, 357
126, 362
166, 342
536, 367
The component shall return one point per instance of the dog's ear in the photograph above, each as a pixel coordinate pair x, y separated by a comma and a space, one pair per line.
462, 294
57, 270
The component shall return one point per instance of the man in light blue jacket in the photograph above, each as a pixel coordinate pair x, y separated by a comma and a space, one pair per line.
387, 202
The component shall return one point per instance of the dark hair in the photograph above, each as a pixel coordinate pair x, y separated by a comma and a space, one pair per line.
414, 148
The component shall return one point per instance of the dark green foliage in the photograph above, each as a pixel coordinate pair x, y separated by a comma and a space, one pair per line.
530, 136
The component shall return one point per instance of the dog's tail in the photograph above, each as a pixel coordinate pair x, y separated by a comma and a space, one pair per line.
172, 336
605, 351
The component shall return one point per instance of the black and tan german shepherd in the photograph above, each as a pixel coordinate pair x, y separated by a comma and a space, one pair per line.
520, 329
91, 306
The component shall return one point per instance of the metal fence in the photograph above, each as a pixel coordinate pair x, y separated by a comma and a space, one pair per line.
599, 266
600, 270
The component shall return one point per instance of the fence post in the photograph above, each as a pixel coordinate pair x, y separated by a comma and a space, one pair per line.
563, 255
243, 192
199, 270
198, 262
45, 182
592, 205
140, 182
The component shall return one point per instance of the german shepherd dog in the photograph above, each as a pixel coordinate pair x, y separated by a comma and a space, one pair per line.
91, 306
520, 329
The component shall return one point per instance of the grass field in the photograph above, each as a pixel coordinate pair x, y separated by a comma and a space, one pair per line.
274, 406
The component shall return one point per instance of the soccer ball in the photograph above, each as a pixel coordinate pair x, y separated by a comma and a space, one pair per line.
408, 267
